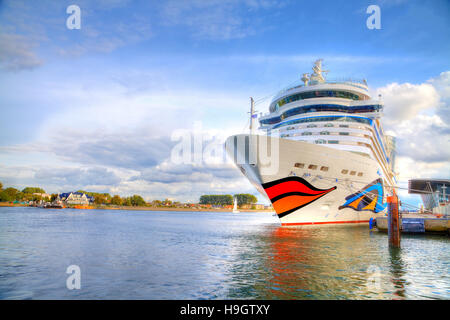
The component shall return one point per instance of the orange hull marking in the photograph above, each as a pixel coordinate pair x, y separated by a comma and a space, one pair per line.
291, 202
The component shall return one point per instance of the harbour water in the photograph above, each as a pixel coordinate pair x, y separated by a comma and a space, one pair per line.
210, 255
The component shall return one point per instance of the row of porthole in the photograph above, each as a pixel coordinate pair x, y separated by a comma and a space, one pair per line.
316, 126
324, 168
327, 125
323, 133
311, 166
352, 173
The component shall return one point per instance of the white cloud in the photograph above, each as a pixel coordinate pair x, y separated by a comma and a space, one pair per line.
417, 114
405, 101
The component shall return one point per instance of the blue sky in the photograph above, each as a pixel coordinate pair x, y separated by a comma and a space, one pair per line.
95, 108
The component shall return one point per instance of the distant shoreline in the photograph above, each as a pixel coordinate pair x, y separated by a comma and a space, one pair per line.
141, 208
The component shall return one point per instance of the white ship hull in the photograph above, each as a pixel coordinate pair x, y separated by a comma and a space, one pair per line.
309, 186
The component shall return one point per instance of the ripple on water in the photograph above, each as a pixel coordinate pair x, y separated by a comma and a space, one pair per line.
188, 255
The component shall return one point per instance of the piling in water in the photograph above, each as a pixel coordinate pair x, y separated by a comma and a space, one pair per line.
393, 221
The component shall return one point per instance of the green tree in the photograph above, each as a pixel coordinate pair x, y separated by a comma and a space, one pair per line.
100, 199
126, 201
36, 197
137, 200
33, 190
225, 199
116, 200
245, 198
9, 194
1, 186
5, 197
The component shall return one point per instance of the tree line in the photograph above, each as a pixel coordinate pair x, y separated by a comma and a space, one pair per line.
227, 199
32, 194
28, 194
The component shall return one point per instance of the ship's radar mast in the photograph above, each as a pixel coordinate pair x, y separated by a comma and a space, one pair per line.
305, 78
317, 77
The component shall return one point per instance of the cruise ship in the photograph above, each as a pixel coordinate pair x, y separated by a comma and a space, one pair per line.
321, 155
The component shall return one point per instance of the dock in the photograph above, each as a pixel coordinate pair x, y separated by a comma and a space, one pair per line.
417, 223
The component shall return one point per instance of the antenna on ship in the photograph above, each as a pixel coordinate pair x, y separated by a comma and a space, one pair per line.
253, 115
316, 77
305, 78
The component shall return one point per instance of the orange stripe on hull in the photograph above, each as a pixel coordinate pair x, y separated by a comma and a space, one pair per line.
291, 202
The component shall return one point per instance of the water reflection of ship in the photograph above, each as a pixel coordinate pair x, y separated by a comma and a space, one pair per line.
326, 262
336, 269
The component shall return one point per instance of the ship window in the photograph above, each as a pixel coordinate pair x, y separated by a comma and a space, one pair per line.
320, 141
352, 173
333, 141
344, 133
343, 126
324, 168
306, 133
311, 126
360, 174
315, 94
299, 165
328, 125
344, 171
325, 133
312, 167
303, 120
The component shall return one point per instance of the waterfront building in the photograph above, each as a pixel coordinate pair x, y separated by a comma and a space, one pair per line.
434, 194
75, 198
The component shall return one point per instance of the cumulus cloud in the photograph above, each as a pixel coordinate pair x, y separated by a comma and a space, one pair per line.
57, 178
405, 101
418, 115
133, 150
168, 172
76, 177
442, 85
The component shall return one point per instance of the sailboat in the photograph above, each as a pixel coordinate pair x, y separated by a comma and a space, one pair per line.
235, 210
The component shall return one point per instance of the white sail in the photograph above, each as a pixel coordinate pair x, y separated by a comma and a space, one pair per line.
235, 210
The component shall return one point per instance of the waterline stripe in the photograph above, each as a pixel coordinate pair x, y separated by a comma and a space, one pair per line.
323, 222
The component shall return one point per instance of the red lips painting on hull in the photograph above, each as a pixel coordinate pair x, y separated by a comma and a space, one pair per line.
292, 193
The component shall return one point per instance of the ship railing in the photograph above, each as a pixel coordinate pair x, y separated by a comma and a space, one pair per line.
359, 83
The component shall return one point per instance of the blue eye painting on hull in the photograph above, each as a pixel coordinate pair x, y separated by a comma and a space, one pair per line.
369, 198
